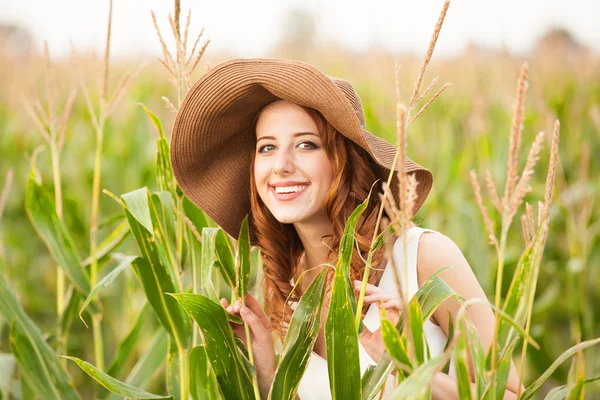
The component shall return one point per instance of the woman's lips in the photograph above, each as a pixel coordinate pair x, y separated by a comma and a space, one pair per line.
287, 196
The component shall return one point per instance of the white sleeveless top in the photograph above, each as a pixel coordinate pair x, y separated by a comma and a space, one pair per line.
315, 381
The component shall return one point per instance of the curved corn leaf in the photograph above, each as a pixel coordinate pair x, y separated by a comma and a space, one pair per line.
223, 354
224, 254
416, 385
203, 383
112, 384
393, 343
563, 357
195, 215
124, 262
561, 392
136, 203
243, 260
53, 232
342, 342
148, 365
380, 240
299, 341
36, 353
156, 282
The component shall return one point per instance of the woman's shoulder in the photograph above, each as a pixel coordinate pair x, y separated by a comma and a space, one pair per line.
435, 251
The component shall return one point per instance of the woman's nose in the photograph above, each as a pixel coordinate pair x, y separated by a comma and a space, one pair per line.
284, 163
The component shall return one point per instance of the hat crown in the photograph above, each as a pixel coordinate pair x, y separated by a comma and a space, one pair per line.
352, 96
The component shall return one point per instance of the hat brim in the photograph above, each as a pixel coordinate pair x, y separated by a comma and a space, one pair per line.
211, 140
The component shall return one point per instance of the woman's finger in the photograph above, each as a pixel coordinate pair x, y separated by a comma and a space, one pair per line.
381, 296
392, 304
261, 334
254, 306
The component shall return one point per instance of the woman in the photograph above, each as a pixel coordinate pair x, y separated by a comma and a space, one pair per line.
286, 143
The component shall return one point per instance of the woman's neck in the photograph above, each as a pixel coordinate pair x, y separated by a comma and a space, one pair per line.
316, 251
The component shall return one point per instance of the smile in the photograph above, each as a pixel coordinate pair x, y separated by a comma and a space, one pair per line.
286, 193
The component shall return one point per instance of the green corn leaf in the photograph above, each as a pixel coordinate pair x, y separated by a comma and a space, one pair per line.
243, 260
203, 383
112, 384
164, 171
163, 223
534, 387
497, 386
461, 361
124, 262
393, 344
195, 214
380, 240
299, 341
128, 344
561, 392
416, 385
224, 254
209, 236
342, 342
173, 376
451, 331
225, 359
345, 257
416, 328
478, 356
156, 282
163, 202
136, 203
73, 300
148, 365
53, 232
155, 269
31, 351
32, 367
116, 237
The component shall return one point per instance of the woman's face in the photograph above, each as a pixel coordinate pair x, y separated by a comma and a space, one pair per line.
291, 169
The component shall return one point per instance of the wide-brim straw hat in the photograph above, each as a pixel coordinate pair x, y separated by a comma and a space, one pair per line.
211, 143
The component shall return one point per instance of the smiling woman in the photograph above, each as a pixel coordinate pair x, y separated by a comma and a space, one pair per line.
293, 141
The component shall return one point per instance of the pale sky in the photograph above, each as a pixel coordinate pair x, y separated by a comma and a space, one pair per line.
249, 28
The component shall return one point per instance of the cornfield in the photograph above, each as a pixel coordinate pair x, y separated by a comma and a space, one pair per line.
110, 278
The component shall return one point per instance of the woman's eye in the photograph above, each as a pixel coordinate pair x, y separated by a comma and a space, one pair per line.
260, 150
302, 145
311, 145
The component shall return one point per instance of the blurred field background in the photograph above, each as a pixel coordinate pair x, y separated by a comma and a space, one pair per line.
466, 128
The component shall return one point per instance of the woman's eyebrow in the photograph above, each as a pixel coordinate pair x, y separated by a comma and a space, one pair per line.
294, 135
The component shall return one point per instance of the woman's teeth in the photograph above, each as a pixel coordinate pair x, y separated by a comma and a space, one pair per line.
289, 189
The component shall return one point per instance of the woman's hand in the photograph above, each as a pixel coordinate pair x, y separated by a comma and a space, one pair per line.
372, 341
263, 347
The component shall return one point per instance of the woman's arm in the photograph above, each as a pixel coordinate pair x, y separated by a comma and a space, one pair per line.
437, 251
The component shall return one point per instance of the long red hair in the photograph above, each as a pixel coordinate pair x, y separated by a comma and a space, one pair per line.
281, 248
